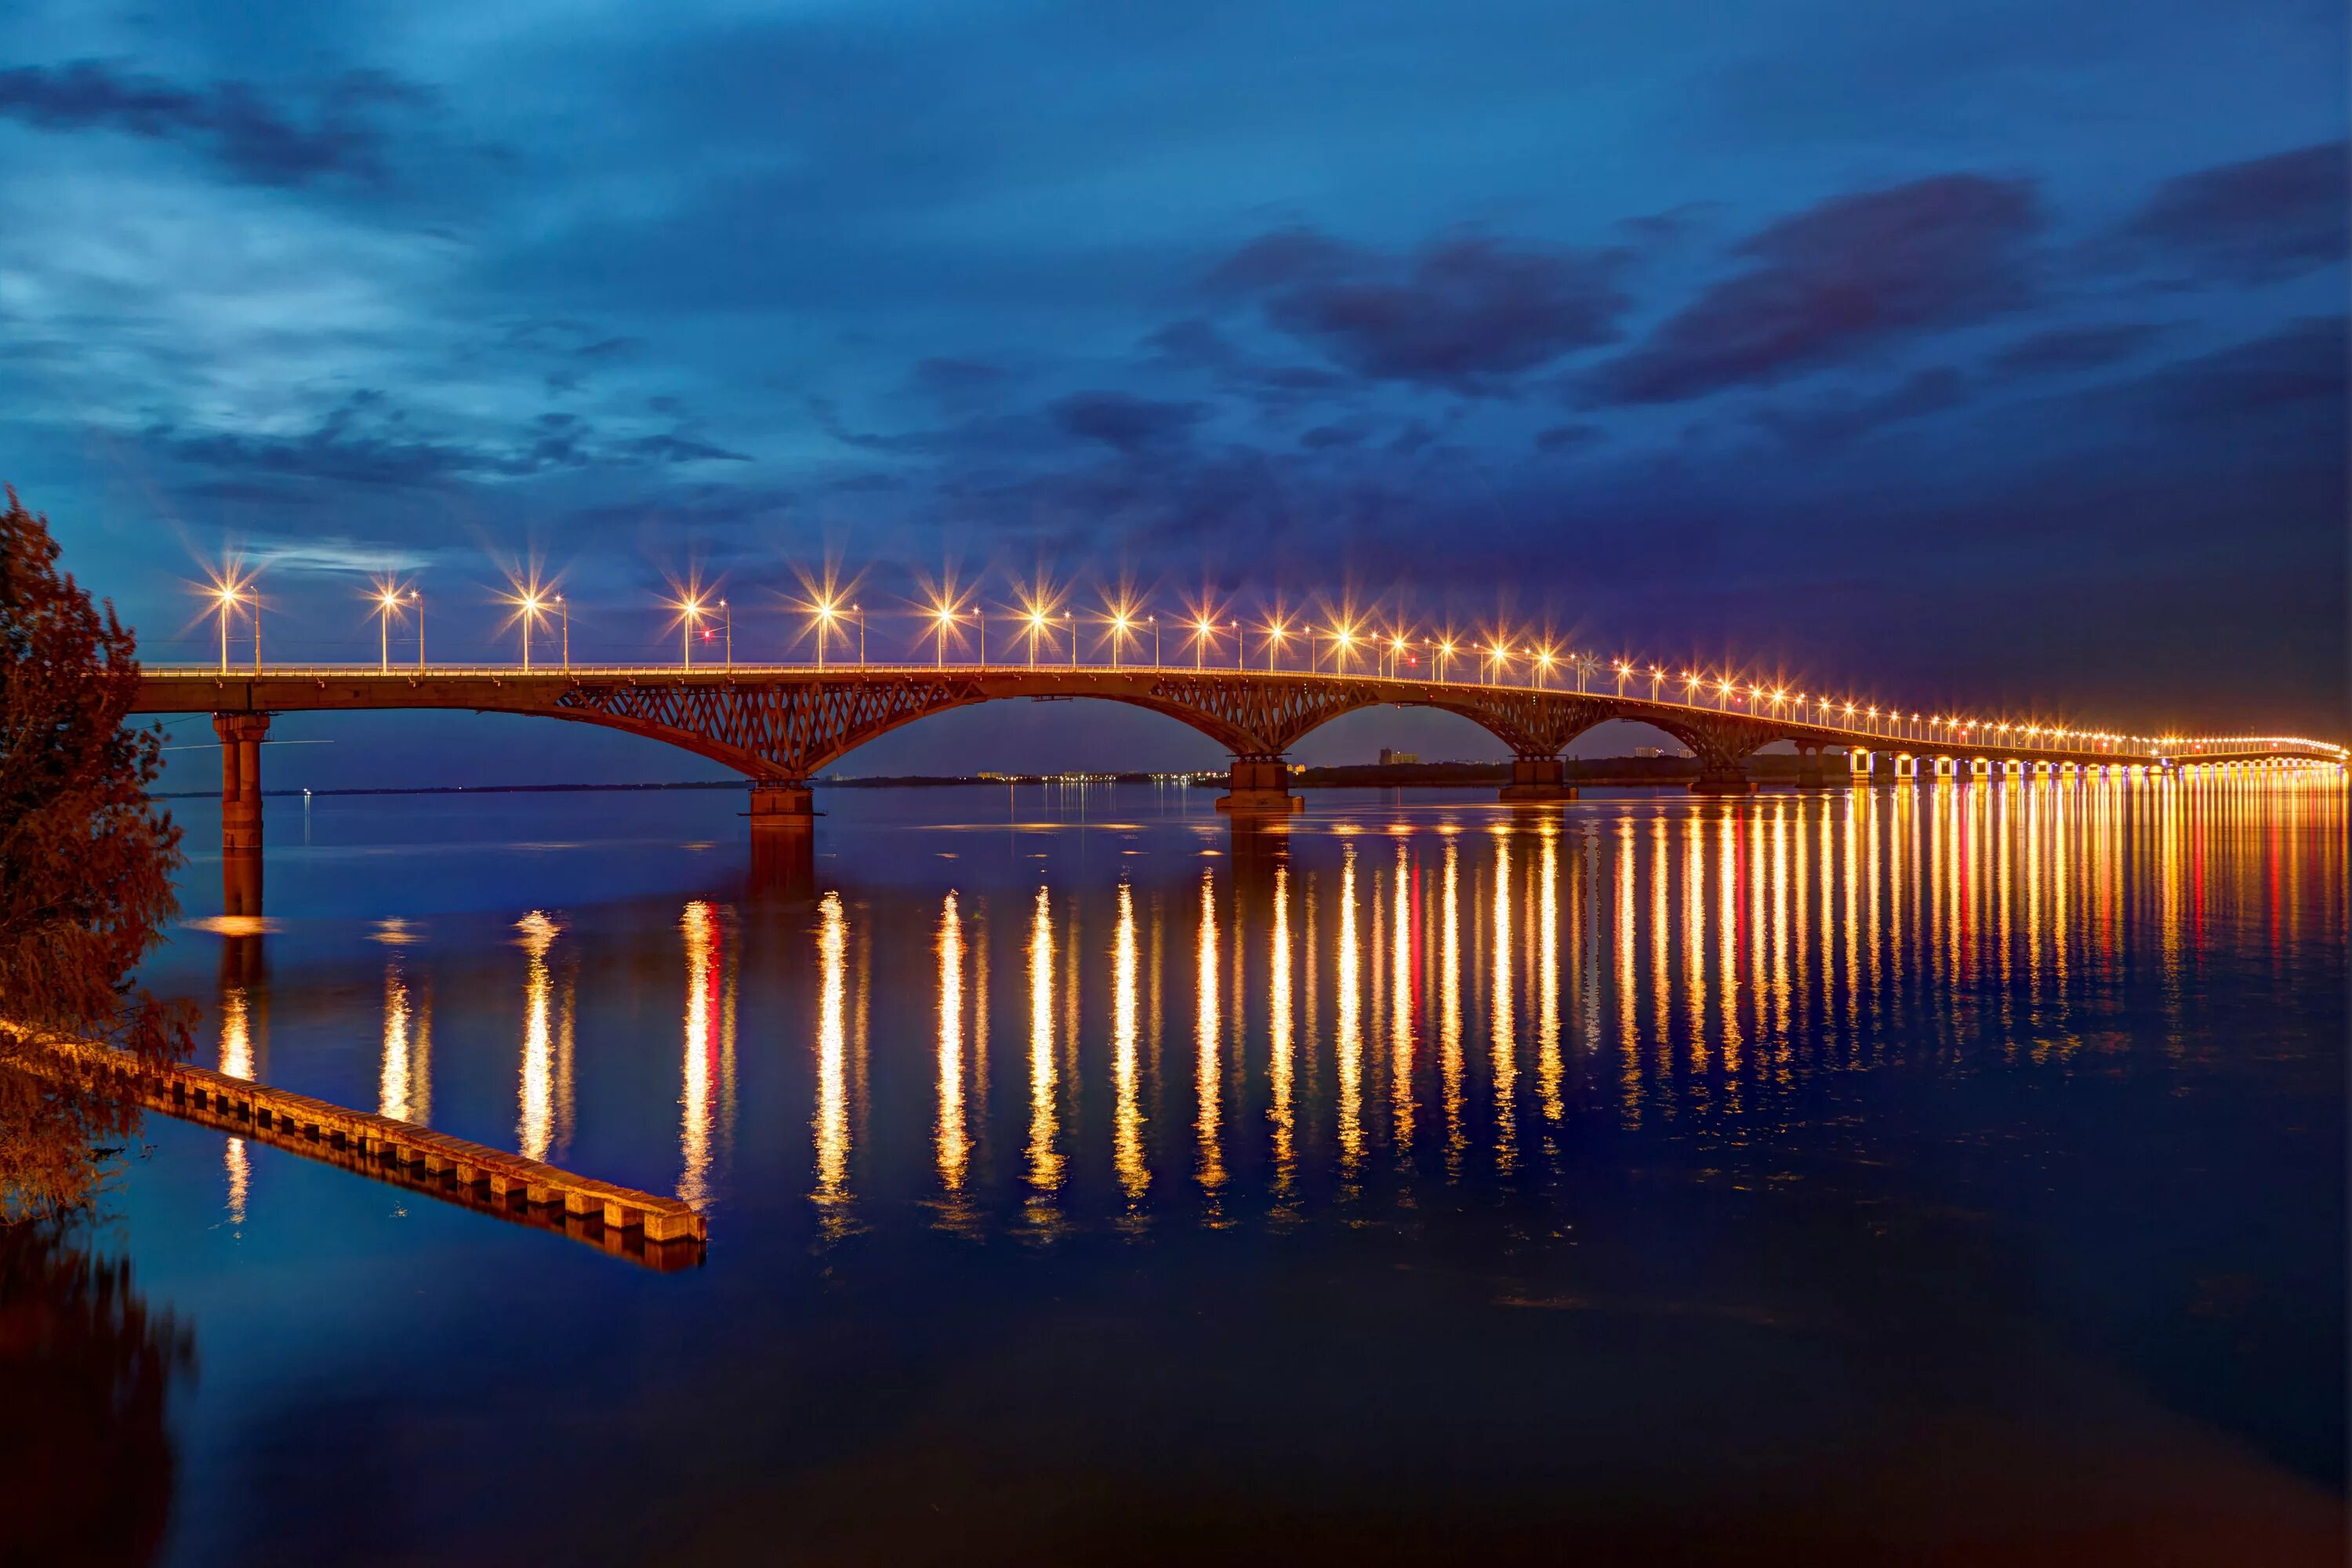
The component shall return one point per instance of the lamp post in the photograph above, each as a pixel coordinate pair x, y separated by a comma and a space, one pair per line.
1070, 622
690, 617
1155, 640
227, 595
1036, 630
528, 603
726, 617
386, 602
861, 635
1274, 636
825, 614
563, 613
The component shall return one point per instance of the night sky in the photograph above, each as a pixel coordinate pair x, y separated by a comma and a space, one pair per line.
1988, 356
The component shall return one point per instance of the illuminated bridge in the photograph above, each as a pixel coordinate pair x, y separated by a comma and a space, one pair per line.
783, 725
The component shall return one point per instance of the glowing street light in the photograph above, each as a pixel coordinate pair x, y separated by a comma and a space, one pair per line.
528, 606
944, 614
689, 613
1122, 623
1543, 664
1037, 620
1274, 636
227, 595
1655, 676
387, 605
826, 611
1444, 656
1498, 658
1205, 631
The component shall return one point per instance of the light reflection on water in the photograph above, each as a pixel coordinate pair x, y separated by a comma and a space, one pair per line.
1637, 963
1836, 1102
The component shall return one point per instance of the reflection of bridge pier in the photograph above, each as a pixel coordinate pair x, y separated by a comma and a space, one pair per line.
1258, 845
783, 864
783, 839
241, 735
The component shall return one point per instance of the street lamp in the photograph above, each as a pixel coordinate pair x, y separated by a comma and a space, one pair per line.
691, 612
1036, 629
825, 613
1154, 622
528, 602
1274, 636
565, 611
1543, 664
1445, 657
726, 617
417, 603
1655, 676
228, 597
941, 616
1120, 622
387, 601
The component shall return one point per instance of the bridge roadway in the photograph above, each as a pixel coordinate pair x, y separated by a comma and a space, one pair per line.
781, 726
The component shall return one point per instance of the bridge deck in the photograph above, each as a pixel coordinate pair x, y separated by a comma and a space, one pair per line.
663, 1233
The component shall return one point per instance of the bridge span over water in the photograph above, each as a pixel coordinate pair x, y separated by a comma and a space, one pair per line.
782, 726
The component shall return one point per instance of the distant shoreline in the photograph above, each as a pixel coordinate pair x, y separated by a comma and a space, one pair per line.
1629, 772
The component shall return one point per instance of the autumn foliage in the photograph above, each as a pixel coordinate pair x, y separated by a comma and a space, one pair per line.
86, 864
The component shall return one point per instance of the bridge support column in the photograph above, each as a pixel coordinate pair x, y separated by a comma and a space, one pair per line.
1537, 780
1722, 778
782, 806
1258, 786
1947, 767
1808, 768
1906, 766
240, 737
1980, 767
1860, 765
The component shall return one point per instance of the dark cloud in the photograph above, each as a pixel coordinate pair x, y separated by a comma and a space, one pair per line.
1126, 423
1468, 314
1325, 437
365, 441
1568, 437
254, 141
1831, 420
2253, 222
2290, 382
1839, 279
956, 381
2061, 350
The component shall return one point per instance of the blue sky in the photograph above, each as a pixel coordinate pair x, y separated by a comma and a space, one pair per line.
1982, 355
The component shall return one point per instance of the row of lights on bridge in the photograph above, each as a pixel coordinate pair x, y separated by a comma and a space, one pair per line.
1389, 652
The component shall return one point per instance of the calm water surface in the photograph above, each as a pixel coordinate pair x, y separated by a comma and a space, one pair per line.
1955, 1173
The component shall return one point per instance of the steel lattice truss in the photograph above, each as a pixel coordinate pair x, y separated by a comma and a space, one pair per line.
791, 724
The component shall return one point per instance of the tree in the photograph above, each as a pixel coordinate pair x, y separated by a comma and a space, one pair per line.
86, 864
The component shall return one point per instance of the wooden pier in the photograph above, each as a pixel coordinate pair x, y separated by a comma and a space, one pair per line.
662, 1233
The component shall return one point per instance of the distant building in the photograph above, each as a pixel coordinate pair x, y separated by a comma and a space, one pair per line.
1390, 757
1648, 751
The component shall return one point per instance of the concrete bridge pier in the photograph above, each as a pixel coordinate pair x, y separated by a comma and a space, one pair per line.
1860, 765
1537, 780
1947, 767
1808, 768
1258, 786
241, 736
1906, 766
782, 806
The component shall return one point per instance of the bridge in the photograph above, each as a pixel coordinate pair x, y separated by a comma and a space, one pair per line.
783, 725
